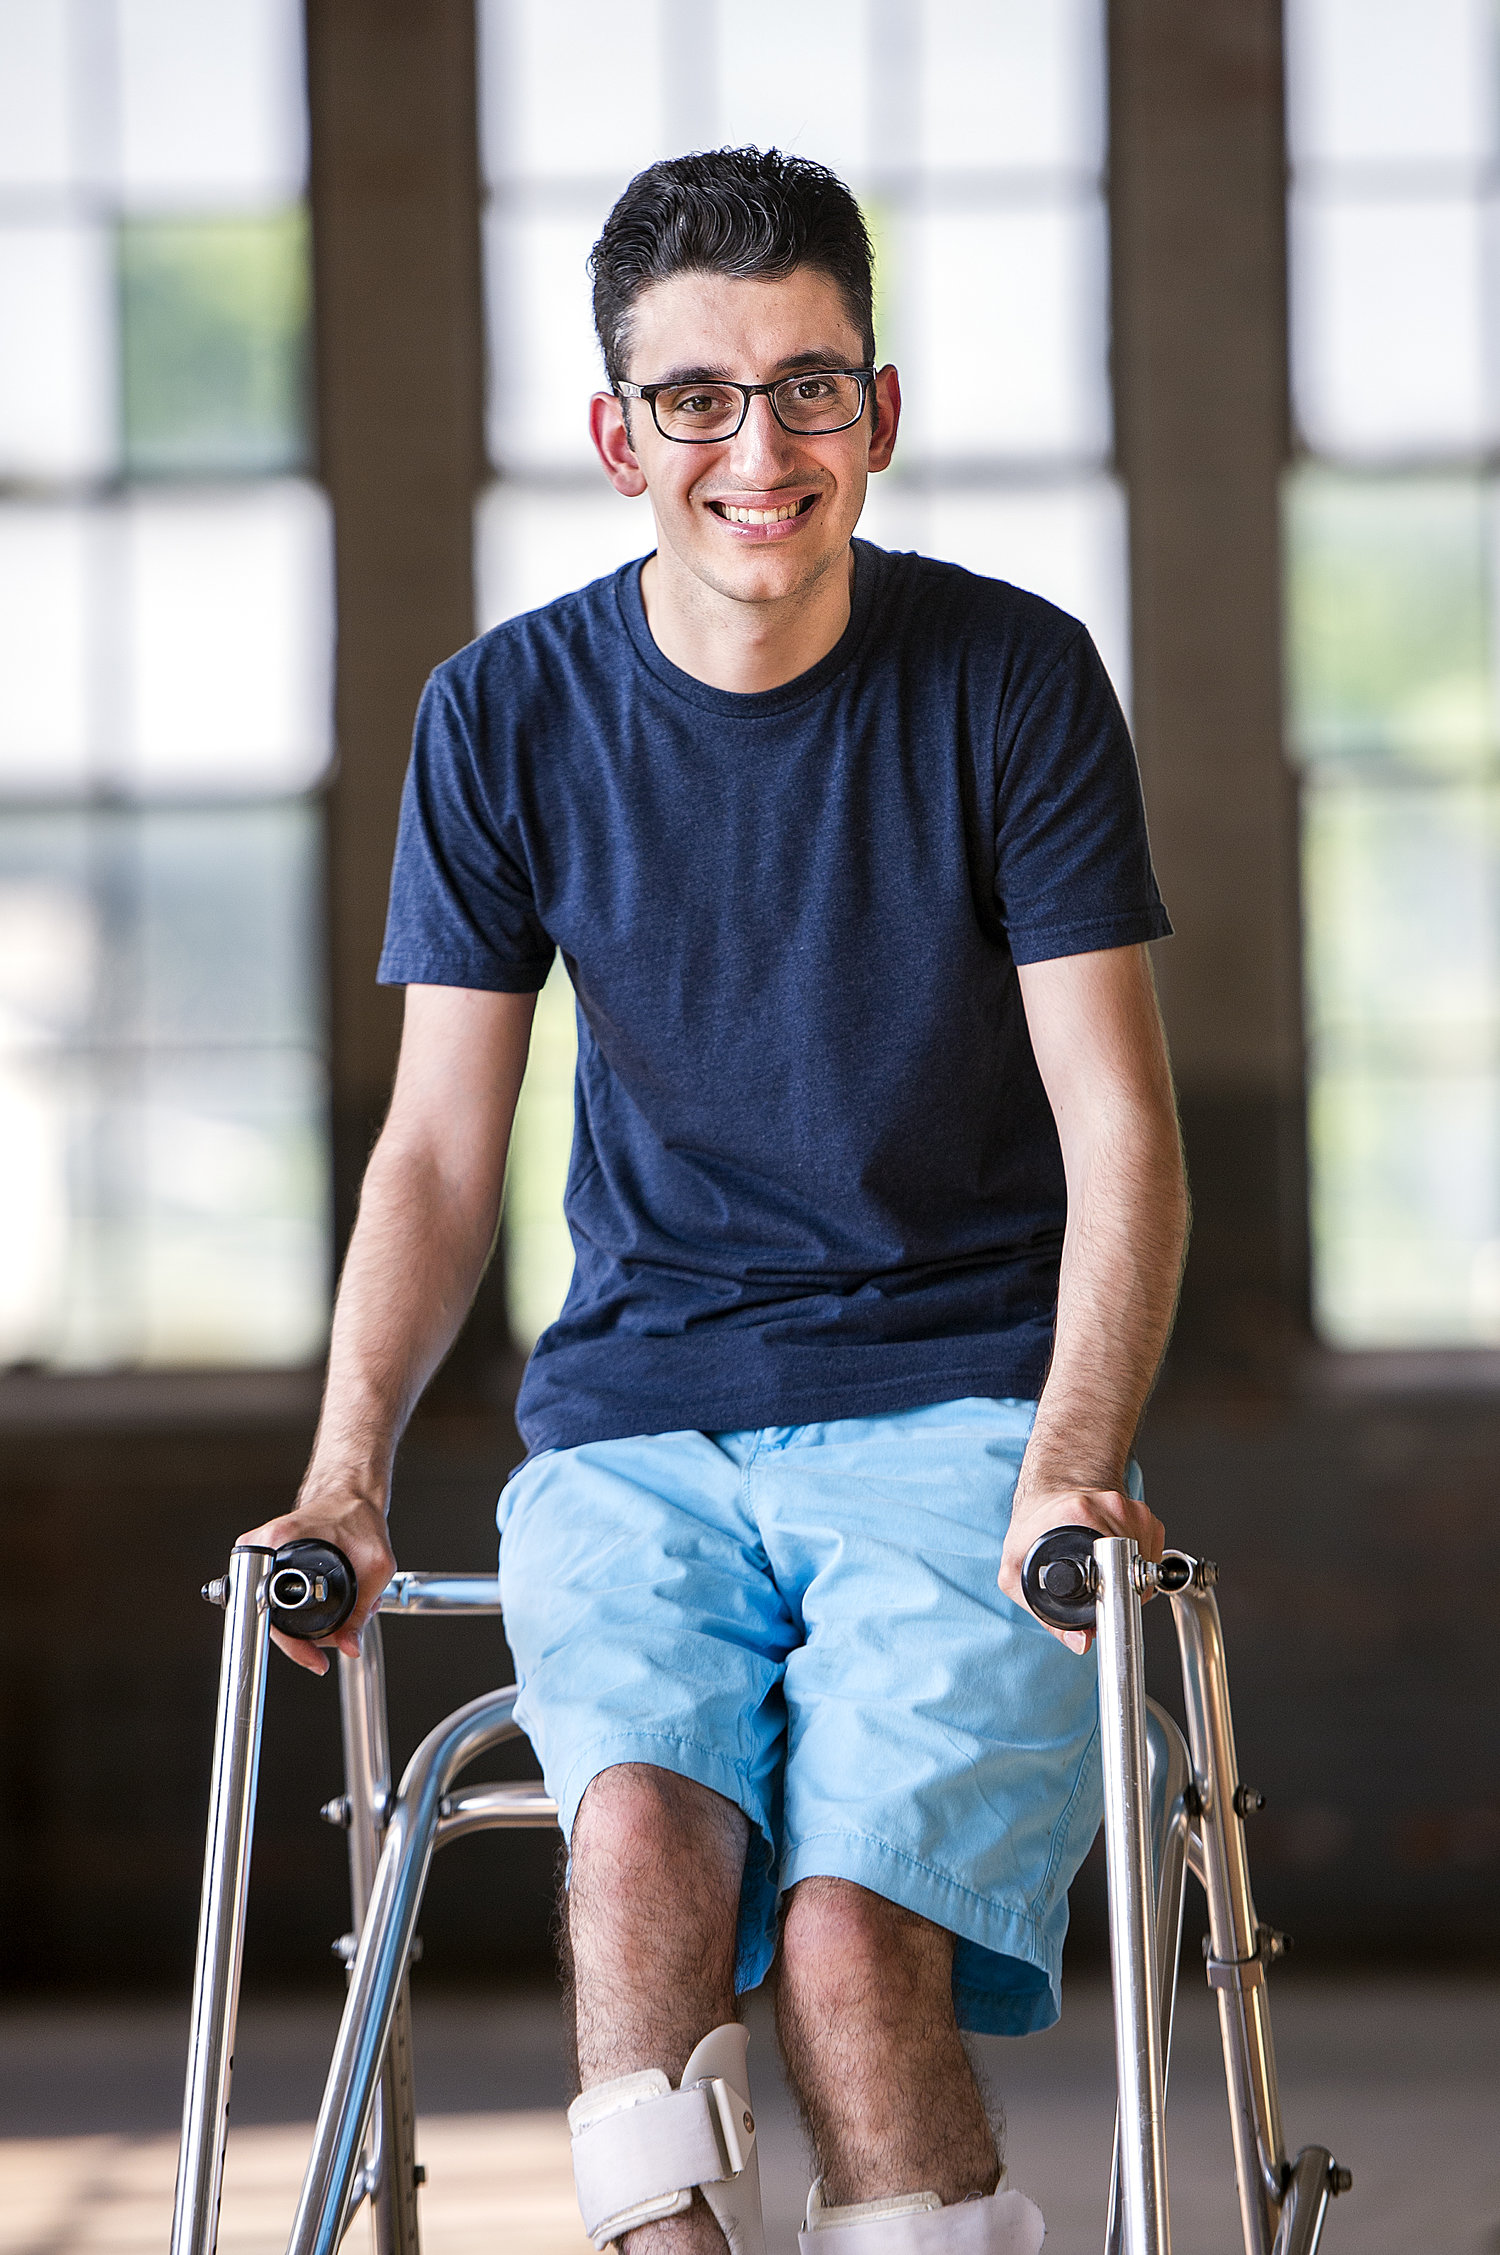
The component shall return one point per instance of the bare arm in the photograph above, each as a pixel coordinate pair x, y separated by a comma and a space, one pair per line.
427, 1217
1096, 1032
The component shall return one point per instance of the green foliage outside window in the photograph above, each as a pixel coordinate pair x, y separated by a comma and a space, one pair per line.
214, 322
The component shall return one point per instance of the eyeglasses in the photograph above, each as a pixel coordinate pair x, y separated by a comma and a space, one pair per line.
810, 405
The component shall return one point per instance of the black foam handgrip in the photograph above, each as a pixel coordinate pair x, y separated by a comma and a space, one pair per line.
1058, 1578
313, 1589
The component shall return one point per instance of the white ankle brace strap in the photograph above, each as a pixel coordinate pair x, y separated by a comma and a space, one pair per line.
917, 2223
640, 2148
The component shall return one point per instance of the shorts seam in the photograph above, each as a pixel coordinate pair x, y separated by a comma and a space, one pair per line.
915, 1863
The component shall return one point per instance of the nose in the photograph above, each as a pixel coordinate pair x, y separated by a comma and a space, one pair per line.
760, 449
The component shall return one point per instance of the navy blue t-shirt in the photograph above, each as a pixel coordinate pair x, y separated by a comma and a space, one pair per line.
814, 1171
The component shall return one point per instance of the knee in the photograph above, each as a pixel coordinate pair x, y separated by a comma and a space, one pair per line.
840, 1941
637, 1820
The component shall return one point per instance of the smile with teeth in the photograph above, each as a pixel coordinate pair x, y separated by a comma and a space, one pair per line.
737, 515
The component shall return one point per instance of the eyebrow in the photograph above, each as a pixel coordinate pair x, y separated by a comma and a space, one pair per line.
697, 373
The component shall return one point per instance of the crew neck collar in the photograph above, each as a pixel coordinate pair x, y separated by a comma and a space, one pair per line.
750, 703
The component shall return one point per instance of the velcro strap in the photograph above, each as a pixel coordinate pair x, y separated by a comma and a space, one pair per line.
641, 2153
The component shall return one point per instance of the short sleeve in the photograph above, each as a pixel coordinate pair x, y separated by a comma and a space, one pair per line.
462, 910
1072, 863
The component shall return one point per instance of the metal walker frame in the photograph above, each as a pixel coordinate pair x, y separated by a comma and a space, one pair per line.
1172, 1806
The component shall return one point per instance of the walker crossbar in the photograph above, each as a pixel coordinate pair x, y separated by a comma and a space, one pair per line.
1172, 1806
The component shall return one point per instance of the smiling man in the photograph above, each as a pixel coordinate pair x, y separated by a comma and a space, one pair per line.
878, 1209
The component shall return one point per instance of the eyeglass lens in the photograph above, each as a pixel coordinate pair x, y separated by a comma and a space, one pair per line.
820, 401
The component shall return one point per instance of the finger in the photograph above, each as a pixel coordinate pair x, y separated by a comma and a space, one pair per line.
1075, 1640
306, 1655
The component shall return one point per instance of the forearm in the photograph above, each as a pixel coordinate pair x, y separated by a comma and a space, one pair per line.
1121, 1267
415, 1259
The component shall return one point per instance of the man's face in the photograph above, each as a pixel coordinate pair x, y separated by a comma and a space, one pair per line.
758, 517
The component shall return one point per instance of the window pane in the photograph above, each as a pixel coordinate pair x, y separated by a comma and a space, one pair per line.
57, 351
1007, 83
544, 357
34, 1148
233, 1221
1002, 333
212, 105
567, 90
1402, 891
35, 147
1373, 80
1406, 1231
538, 1248
44, 718
214, 342
229, 944
531, 547
230, 639
49, 942
797, 76
1389, 619
1387, 329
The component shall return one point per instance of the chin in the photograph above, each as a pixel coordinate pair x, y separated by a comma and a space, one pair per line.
770, 577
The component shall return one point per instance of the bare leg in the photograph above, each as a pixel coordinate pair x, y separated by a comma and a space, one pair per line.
864, 2011
650, 1927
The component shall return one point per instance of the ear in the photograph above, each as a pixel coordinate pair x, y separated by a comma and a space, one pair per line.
612, 444
887, 388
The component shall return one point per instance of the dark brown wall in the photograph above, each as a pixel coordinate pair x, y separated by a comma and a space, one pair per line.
395, 210
1197, 182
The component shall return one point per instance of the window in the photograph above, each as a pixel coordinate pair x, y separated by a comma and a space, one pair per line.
165, 640
1393, 539
973, 133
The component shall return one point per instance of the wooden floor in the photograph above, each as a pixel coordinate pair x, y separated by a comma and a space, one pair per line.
1400, 2077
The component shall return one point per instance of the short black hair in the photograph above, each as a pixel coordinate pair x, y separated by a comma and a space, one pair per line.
752, 213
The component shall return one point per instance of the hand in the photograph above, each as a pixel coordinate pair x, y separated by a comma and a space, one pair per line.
358, 1528
1106, 1510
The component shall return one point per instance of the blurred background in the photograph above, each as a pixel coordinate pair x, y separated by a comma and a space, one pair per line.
1195, 304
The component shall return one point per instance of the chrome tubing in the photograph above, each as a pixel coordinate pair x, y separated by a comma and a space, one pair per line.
1170, 1775
388, 2178
1236, 1965
441, 1593
221, 1918
381, 1961
1132, 1920
1314, 2177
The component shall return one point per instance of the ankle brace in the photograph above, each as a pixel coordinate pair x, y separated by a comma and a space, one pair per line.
917, 2223
640, 2148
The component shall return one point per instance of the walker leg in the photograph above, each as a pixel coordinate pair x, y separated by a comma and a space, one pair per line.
1238, 1946
389, 2178
221, 1920
1132, 1921
331, 2184
1170, 1775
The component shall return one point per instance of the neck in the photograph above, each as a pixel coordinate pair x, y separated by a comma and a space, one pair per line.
732, 644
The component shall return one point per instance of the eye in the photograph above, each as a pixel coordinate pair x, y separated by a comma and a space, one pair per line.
810, 389
698, 400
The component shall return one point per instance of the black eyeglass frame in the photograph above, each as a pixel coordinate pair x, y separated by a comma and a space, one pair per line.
747, 392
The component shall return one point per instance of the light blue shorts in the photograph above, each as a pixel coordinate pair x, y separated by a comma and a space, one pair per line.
805, 1619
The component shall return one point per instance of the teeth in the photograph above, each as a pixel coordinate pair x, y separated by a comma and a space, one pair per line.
738, 516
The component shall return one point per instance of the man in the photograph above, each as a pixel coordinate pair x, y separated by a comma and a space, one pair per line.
879, 1212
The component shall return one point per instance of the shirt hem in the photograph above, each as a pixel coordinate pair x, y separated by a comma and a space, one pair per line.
577, 1423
